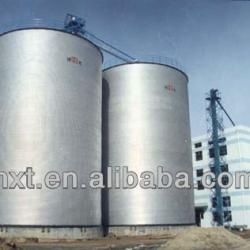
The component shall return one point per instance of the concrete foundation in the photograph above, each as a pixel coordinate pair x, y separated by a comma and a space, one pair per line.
81, 233
55, 233
143, 230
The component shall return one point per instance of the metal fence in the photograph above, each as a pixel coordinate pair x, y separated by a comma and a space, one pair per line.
147, 59
31, 23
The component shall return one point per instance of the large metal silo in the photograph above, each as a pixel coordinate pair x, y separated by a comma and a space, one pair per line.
146, 124
50, 120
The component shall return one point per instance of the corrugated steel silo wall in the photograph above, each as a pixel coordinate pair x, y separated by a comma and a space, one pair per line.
146, 124
50, 120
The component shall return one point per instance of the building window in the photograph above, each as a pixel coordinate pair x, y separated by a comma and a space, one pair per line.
200, 185
198, 145
226, 201
199, 172
227, 216
224, 168
215, 216
198, 156
223, 151
225, 180
212, 169
214, 202
221, 140
202, 215
211, 152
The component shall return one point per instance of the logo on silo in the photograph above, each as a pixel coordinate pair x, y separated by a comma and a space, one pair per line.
170, 88
74, 60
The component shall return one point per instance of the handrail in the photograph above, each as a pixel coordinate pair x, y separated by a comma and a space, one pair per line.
147, 59
33, 23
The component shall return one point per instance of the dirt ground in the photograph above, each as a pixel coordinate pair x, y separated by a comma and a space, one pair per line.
188, 239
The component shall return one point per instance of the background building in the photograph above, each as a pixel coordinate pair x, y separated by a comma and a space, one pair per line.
236, 156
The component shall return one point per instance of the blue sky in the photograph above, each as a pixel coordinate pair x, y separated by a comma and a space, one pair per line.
211, 39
